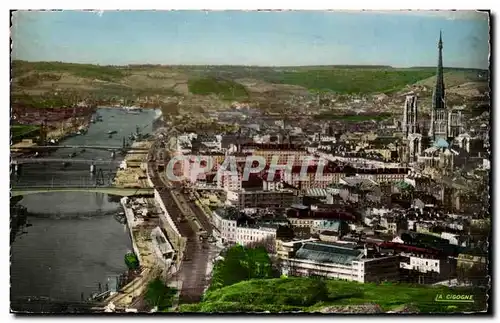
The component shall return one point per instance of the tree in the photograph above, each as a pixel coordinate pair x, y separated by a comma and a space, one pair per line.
157, 294
241, 263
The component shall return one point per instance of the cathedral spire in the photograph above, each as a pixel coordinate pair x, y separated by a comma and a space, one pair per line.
439, 115
438, 95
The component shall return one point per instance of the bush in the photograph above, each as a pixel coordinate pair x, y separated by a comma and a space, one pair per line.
157, 294
131, 261
240, 264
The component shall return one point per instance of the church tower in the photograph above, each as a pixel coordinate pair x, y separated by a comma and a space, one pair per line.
439, 116
410, 116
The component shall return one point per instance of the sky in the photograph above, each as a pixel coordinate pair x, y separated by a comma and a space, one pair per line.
289, 38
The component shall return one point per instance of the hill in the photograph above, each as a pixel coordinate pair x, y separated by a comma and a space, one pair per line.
213, 85
315, 294
225, 89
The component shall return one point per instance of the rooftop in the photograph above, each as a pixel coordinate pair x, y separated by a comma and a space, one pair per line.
228, 213
329, 253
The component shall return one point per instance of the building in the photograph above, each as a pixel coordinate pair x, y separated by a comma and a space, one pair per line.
229, 230
162, 247
439, 118
228, 180
445, 124
336, 260
313, 177
410, 114
284, 154
338, 228
259, 198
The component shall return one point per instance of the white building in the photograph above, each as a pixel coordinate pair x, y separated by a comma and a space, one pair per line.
426, 263
162, 248
334, 260
228, 230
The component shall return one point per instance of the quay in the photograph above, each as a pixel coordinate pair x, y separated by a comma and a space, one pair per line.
149, 232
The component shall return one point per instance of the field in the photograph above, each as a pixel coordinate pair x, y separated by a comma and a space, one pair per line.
313, 294
21, 131
349, 81
106, 73
352, 117
226, 89
219, 85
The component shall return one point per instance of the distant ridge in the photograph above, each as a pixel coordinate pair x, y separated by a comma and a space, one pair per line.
248, 66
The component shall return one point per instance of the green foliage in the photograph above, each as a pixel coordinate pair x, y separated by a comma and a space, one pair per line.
358, 80
312, 294
226, 89
157, 294
131, 261
240, 264
290, 292
105, 73
46, 101
19, 132
352, 117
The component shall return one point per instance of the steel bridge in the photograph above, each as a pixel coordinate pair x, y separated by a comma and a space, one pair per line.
27, 305
34, 148
111, 190
63, 160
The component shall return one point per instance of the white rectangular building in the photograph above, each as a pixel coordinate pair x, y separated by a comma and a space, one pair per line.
340, 261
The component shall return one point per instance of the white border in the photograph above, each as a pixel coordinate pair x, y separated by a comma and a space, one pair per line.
188, 4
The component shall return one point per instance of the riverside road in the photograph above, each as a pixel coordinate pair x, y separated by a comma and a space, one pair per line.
194, 269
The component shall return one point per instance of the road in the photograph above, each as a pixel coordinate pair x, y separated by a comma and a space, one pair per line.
193, 271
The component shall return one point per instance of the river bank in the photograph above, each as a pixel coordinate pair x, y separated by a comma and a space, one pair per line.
140, 228
68, 128
132, 171
73, 242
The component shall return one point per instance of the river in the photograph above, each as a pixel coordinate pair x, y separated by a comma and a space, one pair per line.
73, 242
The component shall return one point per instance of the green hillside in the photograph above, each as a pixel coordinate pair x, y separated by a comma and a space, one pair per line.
312, 294
357, 80
133, 81
226, 89
107, 73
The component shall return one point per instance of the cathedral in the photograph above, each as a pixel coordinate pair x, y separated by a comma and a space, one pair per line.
443, 141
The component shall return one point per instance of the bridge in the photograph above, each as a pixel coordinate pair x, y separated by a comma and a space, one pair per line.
206, 188
32, 148
27, 305
111, 190
63, 160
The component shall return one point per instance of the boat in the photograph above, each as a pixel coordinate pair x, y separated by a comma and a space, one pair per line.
120, 217
133, 109
112, 132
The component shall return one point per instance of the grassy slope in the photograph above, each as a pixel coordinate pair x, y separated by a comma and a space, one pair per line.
306, 294
226, 89
18, 131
